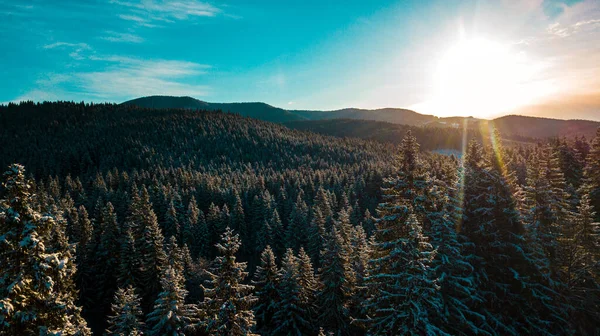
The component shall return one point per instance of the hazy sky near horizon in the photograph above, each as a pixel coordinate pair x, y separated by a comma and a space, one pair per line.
450, 57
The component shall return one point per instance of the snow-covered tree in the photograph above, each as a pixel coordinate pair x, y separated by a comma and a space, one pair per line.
170, 316
149, 246
517, 297
336, 284
404, 297
266, 282
591, 180
291, 316
37, 294
455, 277
228, 302
129, 265
126, 314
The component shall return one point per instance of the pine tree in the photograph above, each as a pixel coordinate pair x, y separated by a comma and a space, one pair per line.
591, 180
316, 236
170, 315
537, 211
190, 223
238, 219
404, 294
455, 277
579, 254
107, 254
336, 285
228, 302
266, 282
291, 316
213, 224
307, 282
171, 226
126, 314
517, 297
37, 294
149, 246
358, 258
296, 232
201, 244
129, 264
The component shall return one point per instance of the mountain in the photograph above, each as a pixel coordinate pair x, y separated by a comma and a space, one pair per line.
429, 137
513, 126
392, 115
260, 111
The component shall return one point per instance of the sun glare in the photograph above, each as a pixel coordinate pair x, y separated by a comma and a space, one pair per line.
481, 78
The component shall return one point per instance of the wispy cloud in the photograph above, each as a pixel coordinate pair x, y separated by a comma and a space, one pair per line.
137, 19
122, 37
77, 48
129, 77
148, 12
122, 78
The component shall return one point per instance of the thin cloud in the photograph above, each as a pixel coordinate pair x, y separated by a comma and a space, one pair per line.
77, 48
129, 77
122, 78
137, 19
122, 37
146, 12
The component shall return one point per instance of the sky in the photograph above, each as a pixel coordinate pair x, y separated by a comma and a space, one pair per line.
450, 57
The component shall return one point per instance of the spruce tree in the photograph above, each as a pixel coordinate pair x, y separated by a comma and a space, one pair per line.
126, 314
404, 294
266, 282
128, 269
336, 285
316, 236
170, 316
455, 277
171, 226
37, 294
307, 283
517, 297
591, 175
228, 302
149, 247
291, 316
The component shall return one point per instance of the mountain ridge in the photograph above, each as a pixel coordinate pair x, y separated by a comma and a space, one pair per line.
513, 125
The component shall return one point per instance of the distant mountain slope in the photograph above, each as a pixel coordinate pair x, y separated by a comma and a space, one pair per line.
545, 127
430, 138
392, 115
511, 126
260, 111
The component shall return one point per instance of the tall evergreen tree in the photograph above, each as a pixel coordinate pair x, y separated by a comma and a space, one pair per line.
336, 285
591, 180
404, 295
128, 269
291, 316
170, 316
126, 314
37, 294
228, 302
266, 282
455, 277
517, 298
149, 247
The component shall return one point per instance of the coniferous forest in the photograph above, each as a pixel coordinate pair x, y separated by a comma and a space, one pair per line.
120, 220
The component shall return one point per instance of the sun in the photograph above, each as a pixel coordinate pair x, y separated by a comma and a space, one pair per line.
481, 78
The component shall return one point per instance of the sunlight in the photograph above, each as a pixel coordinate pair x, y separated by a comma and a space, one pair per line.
481, 78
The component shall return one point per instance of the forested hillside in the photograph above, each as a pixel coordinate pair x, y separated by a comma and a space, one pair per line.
128, 220
429, 137
513, 126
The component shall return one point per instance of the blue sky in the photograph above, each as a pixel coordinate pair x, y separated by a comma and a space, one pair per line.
301, 54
